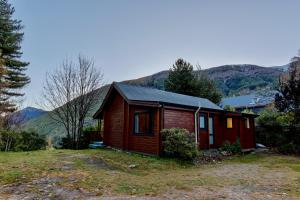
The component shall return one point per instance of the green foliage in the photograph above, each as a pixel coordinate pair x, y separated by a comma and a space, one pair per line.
234, 148
206, 88
84, 141
183, 80
289, 148
280, 127
29, 141
270, 130
66, 143
179, 143
21, 141
229, 108
91, 128
288, 98
12, 69
237, 84
247, 111
278, 130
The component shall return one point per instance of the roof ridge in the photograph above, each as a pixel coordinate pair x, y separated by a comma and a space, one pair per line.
151, 88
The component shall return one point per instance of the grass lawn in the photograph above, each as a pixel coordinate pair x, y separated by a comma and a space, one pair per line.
108, 173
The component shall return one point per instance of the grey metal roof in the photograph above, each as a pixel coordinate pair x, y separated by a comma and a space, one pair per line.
138, 93
251, 100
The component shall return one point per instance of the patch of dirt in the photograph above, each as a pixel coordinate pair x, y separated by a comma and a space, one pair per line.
44, 188
97, 162
92, 161
212, 156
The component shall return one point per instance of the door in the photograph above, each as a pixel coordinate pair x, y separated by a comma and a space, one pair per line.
211, 130
203, 131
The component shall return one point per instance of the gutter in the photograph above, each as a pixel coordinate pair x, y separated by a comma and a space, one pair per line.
196, 122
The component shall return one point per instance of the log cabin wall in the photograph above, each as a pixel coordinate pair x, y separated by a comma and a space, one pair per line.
203, 132
114, 121
175, 118
217, 130
204, 142
145, 143
230, 134
247, 135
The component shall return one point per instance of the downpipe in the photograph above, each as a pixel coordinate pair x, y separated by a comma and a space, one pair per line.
196, 125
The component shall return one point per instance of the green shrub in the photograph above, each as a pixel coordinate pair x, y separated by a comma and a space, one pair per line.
29, 141
83, 143
289, 148
274, 128
229, 108
21, 141
179, 143
234, 148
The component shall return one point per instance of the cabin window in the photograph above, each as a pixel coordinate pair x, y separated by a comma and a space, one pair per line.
202, 122
229, 122
247, 123
143, 123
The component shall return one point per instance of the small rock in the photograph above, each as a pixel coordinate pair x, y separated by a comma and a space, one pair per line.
132, 166
225, 153
83, 190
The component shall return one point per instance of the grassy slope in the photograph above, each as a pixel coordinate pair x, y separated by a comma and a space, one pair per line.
46, 126
107, 172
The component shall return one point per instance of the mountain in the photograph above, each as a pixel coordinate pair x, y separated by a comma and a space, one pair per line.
27, 114
232, 80
283, 68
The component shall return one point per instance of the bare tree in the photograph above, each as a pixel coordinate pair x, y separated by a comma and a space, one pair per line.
70, 93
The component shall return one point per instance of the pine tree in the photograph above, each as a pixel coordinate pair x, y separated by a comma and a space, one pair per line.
181, 78
206, 87
12, 76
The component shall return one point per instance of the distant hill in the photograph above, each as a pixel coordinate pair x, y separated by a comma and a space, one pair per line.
27, 114
46, 126
232, 80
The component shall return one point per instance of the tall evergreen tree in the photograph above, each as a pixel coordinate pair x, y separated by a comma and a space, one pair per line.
12, 76
183, 80
206, 87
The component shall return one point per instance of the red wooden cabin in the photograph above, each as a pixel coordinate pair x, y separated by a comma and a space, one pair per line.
134, 116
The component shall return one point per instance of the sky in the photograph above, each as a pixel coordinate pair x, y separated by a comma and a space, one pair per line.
129, 39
